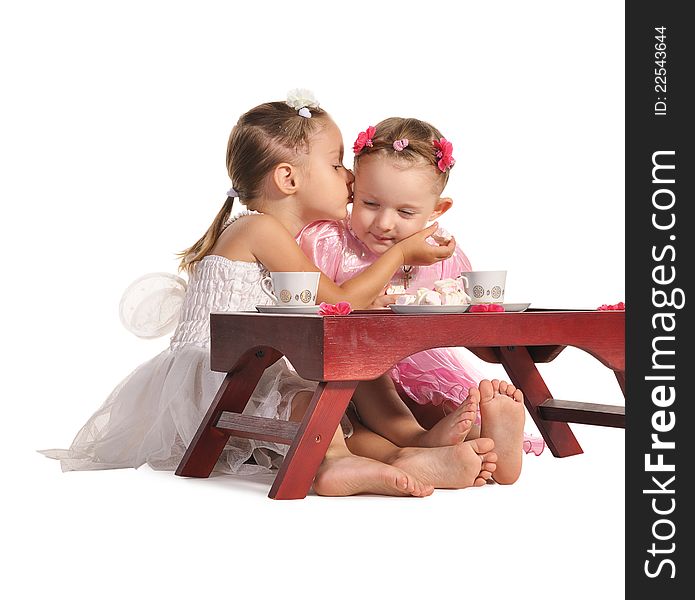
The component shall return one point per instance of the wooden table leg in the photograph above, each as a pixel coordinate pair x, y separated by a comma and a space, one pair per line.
234, 393
524, 374
304, 456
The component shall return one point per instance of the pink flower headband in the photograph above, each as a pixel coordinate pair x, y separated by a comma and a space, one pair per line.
364, 138
443, 148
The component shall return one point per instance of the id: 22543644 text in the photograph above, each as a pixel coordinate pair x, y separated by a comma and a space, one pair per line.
660, 71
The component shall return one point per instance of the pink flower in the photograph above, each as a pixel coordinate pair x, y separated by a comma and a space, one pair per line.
443, 151
486, 308
364, 139
619, 306
398, 145
335, 310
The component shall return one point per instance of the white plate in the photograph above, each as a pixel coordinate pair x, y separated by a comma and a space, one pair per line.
410, 309
516, 307
312, 309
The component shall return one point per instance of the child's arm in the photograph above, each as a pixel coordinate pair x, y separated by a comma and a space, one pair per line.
277, 250
410, 251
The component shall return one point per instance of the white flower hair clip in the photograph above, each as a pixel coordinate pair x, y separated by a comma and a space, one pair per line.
301, 100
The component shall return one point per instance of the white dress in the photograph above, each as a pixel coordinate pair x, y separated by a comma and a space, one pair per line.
153, 414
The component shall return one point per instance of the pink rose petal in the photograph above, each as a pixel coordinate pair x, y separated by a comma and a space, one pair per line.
618, 306
478, 308
343, 308
333, 310
486, 308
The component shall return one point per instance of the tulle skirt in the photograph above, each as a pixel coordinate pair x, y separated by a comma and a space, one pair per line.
436, 376
153, 414
444, 375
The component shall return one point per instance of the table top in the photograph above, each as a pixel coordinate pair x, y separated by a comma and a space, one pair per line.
331, 347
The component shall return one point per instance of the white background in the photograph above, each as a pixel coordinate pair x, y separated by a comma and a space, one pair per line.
114, 125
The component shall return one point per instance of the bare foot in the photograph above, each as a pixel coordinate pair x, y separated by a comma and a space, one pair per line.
500, 386
502, 415
454, 427
454, 467
348, 475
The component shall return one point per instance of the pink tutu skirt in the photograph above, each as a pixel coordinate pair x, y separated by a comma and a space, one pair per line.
444, 376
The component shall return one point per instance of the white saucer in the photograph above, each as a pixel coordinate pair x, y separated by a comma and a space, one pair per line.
311, 309
518, 307
410, 309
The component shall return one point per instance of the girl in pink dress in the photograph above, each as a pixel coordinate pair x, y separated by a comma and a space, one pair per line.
285, 160
401, 169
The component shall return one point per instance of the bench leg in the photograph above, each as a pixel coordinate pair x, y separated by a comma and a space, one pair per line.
304, 456
524, 374
234, 393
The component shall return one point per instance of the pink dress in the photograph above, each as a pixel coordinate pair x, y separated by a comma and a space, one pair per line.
433, 376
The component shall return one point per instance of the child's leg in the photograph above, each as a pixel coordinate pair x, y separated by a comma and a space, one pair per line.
382, 410
457, 466
343, 474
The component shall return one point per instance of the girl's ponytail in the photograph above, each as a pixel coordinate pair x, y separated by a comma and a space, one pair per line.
203, 246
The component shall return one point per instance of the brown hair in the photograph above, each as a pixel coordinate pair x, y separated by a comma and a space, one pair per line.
263, 137
420, 149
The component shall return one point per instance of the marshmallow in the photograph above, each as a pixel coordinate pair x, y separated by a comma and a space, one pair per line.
455, 297
405, 299
447, 291
451, 291
429, 297
395, 289
446, 286
441, 236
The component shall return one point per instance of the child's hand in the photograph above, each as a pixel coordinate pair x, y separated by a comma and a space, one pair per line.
417, 251
384, 300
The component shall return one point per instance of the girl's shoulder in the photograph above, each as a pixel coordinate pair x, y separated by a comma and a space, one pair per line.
251, 218
262, 238
245, 232
255, 223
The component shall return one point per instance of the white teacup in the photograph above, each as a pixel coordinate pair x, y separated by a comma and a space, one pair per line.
288, 288
484, 287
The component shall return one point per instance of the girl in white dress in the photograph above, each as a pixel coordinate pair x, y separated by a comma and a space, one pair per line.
285, 163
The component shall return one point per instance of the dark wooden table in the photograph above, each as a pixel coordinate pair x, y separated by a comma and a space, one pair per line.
340, 351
